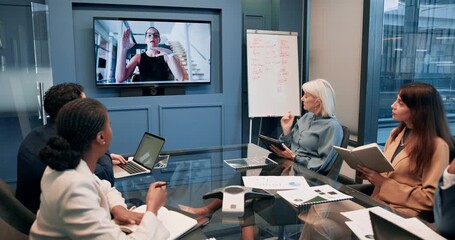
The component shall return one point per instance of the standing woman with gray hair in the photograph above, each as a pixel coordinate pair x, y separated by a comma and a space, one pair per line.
310, 141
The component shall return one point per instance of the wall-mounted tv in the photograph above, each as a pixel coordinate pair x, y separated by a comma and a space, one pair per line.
145, 52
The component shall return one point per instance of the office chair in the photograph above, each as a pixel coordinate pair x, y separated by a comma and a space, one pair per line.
9, 232
336, 166
15, 218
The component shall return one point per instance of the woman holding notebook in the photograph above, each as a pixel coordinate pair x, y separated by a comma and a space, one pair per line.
75, 203
310, 141
418, 150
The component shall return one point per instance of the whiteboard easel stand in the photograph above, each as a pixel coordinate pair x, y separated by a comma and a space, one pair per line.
261, 73
251, 130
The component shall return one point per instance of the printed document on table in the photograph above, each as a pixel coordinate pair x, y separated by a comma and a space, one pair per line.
275, 182
360, 222
305, 197
361, 232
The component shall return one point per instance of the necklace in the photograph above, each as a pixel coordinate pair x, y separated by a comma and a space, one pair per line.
405, 135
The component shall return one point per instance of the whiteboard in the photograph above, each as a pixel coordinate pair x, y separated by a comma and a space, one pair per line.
273, 73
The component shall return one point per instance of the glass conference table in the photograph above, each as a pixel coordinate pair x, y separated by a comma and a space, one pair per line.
192, 173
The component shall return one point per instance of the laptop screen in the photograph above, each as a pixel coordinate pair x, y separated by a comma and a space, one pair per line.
149, 149
384, 229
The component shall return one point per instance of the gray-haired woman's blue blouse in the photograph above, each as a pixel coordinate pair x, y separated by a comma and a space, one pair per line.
312, 139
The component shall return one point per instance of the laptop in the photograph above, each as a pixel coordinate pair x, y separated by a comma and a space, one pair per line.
384, 229
146, 157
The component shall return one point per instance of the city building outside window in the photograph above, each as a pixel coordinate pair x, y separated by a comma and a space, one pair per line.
418, 45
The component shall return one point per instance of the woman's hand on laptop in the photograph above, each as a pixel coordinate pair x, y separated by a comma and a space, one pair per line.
117, 159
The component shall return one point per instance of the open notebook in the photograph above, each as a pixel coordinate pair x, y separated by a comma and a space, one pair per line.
178, 224
147, 157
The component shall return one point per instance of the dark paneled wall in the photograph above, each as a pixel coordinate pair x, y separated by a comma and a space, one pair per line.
206, 115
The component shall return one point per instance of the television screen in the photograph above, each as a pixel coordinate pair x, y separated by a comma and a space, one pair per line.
140, 52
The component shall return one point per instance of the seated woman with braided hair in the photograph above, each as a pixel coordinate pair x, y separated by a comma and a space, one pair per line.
75, 203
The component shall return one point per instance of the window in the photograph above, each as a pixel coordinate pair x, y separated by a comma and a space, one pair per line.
102, 52
418, 45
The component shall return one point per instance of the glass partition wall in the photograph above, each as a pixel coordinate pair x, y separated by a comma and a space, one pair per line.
25, 74
418, 45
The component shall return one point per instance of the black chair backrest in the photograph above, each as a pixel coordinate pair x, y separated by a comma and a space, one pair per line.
9, 232
13, 212
336, 166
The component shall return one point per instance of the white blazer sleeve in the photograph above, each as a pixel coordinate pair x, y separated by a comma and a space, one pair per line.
114, 197
83, 217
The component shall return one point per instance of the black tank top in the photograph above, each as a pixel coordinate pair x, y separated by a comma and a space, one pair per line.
154, 69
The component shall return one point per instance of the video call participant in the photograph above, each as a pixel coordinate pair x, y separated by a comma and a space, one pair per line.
310, 141
75, 203
30, 169
155, 64
418, 150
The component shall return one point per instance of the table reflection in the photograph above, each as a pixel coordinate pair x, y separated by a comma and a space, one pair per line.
192, 173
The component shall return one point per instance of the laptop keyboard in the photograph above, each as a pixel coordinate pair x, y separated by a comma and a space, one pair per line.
131, 167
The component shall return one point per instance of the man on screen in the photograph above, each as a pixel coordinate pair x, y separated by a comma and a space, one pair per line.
155, 64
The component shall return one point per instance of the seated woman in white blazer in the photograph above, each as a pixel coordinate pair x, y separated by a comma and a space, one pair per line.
75, 203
